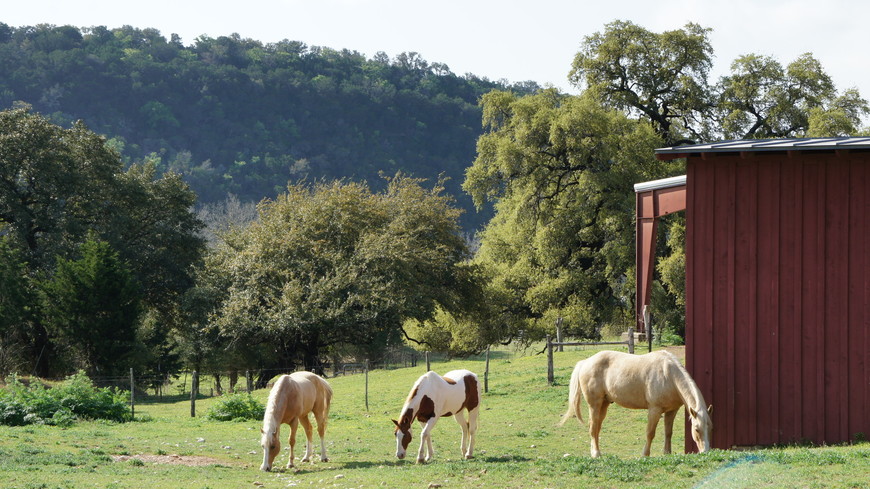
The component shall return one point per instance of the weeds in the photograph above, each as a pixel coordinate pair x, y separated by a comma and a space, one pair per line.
76, 398
237, 407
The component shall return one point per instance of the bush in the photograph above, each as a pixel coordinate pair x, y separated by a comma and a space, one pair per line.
74, 399
236, 407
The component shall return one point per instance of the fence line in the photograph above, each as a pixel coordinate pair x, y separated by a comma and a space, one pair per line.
550, 344
158, 382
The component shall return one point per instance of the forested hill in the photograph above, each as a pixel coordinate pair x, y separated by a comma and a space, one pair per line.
239, 116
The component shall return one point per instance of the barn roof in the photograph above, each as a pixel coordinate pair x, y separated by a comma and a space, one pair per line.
756, 145
660, 184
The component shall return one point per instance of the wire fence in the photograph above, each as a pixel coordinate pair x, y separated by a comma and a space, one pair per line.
146, 388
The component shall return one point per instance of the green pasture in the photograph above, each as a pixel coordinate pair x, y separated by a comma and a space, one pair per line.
518, 445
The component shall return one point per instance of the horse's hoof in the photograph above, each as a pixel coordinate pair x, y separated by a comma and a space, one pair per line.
469, 457
421, 461
324, 459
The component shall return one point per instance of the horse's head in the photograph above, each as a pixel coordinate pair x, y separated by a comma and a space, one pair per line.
271, 446
702, 427
403, 436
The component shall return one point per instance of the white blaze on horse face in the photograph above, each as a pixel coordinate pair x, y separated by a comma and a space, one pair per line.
271, 447
400, 450
403, 439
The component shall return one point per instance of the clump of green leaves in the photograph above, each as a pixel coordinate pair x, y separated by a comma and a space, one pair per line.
236, 407
74, 399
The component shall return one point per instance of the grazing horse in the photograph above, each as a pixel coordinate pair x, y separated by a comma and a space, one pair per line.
657, 382
434, 396
292, 398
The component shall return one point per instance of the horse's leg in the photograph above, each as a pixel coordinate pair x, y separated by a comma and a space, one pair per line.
472, 431
597, 413
463, 423
294, 423
321, 418
426, 442
669, 429
306, 425
652, 420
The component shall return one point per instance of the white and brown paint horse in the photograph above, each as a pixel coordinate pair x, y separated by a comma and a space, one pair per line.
657, 382
432, 397
291, 400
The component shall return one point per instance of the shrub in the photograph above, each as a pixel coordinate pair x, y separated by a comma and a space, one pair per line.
236, 407
76, 398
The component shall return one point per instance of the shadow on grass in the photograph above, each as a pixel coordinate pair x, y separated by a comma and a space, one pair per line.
328, 466
505, 459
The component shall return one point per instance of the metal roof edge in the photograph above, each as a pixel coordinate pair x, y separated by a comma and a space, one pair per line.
660, 184
787, 144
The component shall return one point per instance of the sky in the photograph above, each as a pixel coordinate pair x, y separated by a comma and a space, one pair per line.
498, 39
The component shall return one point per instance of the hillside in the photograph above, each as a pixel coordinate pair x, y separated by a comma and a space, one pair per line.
234, 115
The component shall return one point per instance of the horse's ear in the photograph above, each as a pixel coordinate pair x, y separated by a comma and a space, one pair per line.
261, 431
692, 413
710, 409
395, 422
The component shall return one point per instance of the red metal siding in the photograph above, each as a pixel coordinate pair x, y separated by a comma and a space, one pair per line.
778, 295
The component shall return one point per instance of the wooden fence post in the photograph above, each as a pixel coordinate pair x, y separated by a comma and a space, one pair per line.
631, 340
428, 367
194, 390
249, 381
559, 333
486, 373
550, 378
367, 385
132, 390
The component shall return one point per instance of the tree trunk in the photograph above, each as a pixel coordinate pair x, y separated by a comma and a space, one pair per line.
218, 388
311, 359
234, 379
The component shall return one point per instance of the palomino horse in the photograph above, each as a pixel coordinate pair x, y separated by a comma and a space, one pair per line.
434, 396
292, 398
657, 382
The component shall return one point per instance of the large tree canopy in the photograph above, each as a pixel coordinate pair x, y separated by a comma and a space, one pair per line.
560, 169
662, 77
59, 186
333, 263
760, 99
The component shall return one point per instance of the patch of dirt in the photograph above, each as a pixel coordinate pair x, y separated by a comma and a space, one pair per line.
189, 460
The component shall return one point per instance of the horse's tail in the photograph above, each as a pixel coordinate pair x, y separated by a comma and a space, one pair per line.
574, 397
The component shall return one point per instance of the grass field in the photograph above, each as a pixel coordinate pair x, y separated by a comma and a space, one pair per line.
518, 445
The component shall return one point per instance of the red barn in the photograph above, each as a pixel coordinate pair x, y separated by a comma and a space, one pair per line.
777, 285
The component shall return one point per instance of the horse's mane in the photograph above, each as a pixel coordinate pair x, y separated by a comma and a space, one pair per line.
689, 391
275, 404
